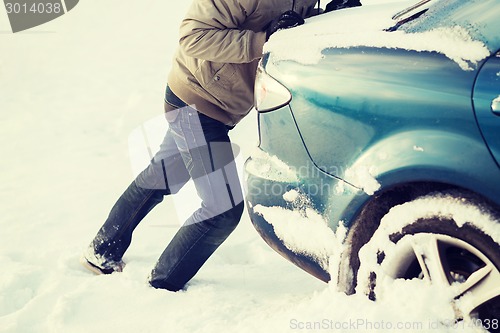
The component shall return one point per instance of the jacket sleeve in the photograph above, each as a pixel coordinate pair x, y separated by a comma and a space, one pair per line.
211, 31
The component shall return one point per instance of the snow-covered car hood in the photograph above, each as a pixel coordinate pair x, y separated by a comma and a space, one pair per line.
462, 36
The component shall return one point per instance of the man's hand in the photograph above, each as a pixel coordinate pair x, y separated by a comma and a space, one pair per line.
341, 4
286, 20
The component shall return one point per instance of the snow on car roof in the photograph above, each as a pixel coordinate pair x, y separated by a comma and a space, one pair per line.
365, 26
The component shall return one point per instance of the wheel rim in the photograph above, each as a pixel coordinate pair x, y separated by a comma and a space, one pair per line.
451, 263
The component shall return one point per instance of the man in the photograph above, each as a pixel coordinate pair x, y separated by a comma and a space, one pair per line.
210, 89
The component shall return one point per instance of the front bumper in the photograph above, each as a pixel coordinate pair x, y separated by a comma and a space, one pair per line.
268, 181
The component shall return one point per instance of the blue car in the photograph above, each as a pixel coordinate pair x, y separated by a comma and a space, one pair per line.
379, 149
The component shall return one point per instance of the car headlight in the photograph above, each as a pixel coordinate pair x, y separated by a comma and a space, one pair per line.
269, 94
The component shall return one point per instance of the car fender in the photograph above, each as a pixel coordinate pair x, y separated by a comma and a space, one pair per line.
428, 156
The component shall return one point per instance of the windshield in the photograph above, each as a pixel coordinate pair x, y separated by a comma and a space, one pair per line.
480, 18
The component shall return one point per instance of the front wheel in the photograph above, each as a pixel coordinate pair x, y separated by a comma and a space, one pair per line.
445, 241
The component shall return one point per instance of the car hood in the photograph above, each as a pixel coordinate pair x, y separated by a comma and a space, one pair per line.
464, 32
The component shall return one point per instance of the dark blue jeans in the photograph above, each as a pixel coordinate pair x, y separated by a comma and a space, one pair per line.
195, 147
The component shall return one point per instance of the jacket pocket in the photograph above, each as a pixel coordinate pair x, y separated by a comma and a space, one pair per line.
218, 79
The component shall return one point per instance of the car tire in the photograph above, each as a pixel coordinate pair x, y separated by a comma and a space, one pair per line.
448, 240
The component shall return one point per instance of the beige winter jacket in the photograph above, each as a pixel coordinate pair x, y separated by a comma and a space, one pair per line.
220, 44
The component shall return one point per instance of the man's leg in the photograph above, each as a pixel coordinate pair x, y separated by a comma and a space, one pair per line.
206, 150
143, 194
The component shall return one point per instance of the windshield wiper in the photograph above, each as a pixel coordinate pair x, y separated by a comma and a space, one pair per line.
406, 15
410, 9
406, 20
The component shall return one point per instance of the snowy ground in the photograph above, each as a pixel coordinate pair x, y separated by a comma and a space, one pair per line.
71, 93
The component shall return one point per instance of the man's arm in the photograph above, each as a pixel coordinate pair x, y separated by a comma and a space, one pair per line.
211, 32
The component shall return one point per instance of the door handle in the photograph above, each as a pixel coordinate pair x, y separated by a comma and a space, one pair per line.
495, 106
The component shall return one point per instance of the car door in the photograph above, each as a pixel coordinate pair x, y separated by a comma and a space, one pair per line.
486, 99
